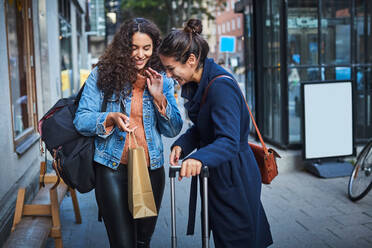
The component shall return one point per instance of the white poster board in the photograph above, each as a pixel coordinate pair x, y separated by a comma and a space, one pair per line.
328, 120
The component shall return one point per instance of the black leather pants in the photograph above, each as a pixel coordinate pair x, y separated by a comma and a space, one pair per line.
112, 199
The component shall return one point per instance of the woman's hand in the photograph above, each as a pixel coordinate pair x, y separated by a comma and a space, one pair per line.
120, 120
190, 167
175, 155
155, 84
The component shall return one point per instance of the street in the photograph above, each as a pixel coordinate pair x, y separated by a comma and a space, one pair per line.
303, 211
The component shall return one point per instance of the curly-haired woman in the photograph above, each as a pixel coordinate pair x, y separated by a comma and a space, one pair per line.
141, 100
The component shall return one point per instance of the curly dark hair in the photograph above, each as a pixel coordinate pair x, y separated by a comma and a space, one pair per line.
116, 68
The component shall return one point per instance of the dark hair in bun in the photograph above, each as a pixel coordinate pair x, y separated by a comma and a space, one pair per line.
193, 26
180, 44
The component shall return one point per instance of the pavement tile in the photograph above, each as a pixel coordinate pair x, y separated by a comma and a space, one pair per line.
320, 212
353, 219
368, 225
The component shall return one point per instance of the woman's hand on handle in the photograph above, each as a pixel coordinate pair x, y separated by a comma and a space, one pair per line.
190, 167
175, 155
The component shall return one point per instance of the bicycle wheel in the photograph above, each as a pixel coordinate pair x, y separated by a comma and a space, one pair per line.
360, 182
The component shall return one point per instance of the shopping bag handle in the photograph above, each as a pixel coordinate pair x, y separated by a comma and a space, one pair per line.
134, 137
173, 169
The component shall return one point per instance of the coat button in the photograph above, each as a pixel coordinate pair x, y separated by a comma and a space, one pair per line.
121, 138
114, 164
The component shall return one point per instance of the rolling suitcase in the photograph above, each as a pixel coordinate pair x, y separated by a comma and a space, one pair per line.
204, 175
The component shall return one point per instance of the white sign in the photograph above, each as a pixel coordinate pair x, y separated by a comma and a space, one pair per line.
328, 120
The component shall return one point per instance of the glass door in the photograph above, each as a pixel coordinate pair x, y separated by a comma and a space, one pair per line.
302, 58
363, 70
271, 90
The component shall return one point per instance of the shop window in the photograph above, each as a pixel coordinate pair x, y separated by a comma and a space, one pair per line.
363, 25
335, 32
21, 73
363, 102
302, 46
67, 80
249, 53
363, 70
272, 33
272, 110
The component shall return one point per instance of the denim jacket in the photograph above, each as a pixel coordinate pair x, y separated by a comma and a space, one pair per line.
89, 121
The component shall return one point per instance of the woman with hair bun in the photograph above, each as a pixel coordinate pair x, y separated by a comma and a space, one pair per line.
139, 99
220, 134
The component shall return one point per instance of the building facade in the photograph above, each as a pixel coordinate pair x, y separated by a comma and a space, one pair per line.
229, 23
43, 47
291, 42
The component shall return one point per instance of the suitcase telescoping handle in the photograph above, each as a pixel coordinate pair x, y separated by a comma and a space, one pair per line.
172, 175
204, 174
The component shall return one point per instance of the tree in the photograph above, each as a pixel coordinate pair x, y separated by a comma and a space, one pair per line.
168, 14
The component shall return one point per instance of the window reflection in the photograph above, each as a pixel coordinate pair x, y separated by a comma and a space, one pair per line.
363, 102
302, 33
335, 26
66, 58
363, 24
302, 49
249, 59
17, 66
271, 57
272, 33
272, 109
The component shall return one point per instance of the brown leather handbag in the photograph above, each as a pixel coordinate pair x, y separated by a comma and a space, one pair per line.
266, 158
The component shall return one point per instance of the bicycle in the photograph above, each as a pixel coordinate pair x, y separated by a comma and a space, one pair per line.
360, 182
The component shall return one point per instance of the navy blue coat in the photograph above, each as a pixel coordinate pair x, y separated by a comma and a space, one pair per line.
220, 135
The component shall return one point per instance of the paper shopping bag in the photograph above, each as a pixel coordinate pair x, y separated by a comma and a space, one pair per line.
140, 196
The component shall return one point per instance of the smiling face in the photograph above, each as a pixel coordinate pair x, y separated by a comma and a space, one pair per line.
142, 48
183, 73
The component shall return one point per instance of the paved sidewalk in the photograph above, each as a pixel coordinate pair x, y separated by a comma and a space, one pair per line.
303, 211
307, 211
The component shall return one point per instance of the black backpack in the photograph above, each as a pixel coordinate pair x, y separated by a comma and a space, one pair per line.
72, 152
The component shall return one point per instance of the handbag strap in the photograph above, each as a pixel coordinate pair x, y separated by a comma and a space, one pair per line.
250, 112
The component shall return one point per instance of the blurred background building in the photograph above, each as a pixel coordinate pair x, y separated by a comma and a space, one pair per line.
291, 42
97, 29
229, 23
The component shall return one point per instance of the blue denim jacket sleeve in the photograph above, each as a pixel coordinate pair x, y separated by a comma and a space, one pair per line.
89, 120
171, 124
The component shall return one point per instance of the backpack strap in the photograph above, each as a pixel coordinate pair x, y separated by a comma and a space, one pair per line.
78, 96
104, 103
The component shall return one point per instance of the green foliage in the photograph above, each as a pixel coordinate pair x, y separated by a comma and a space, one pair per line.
168, 14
